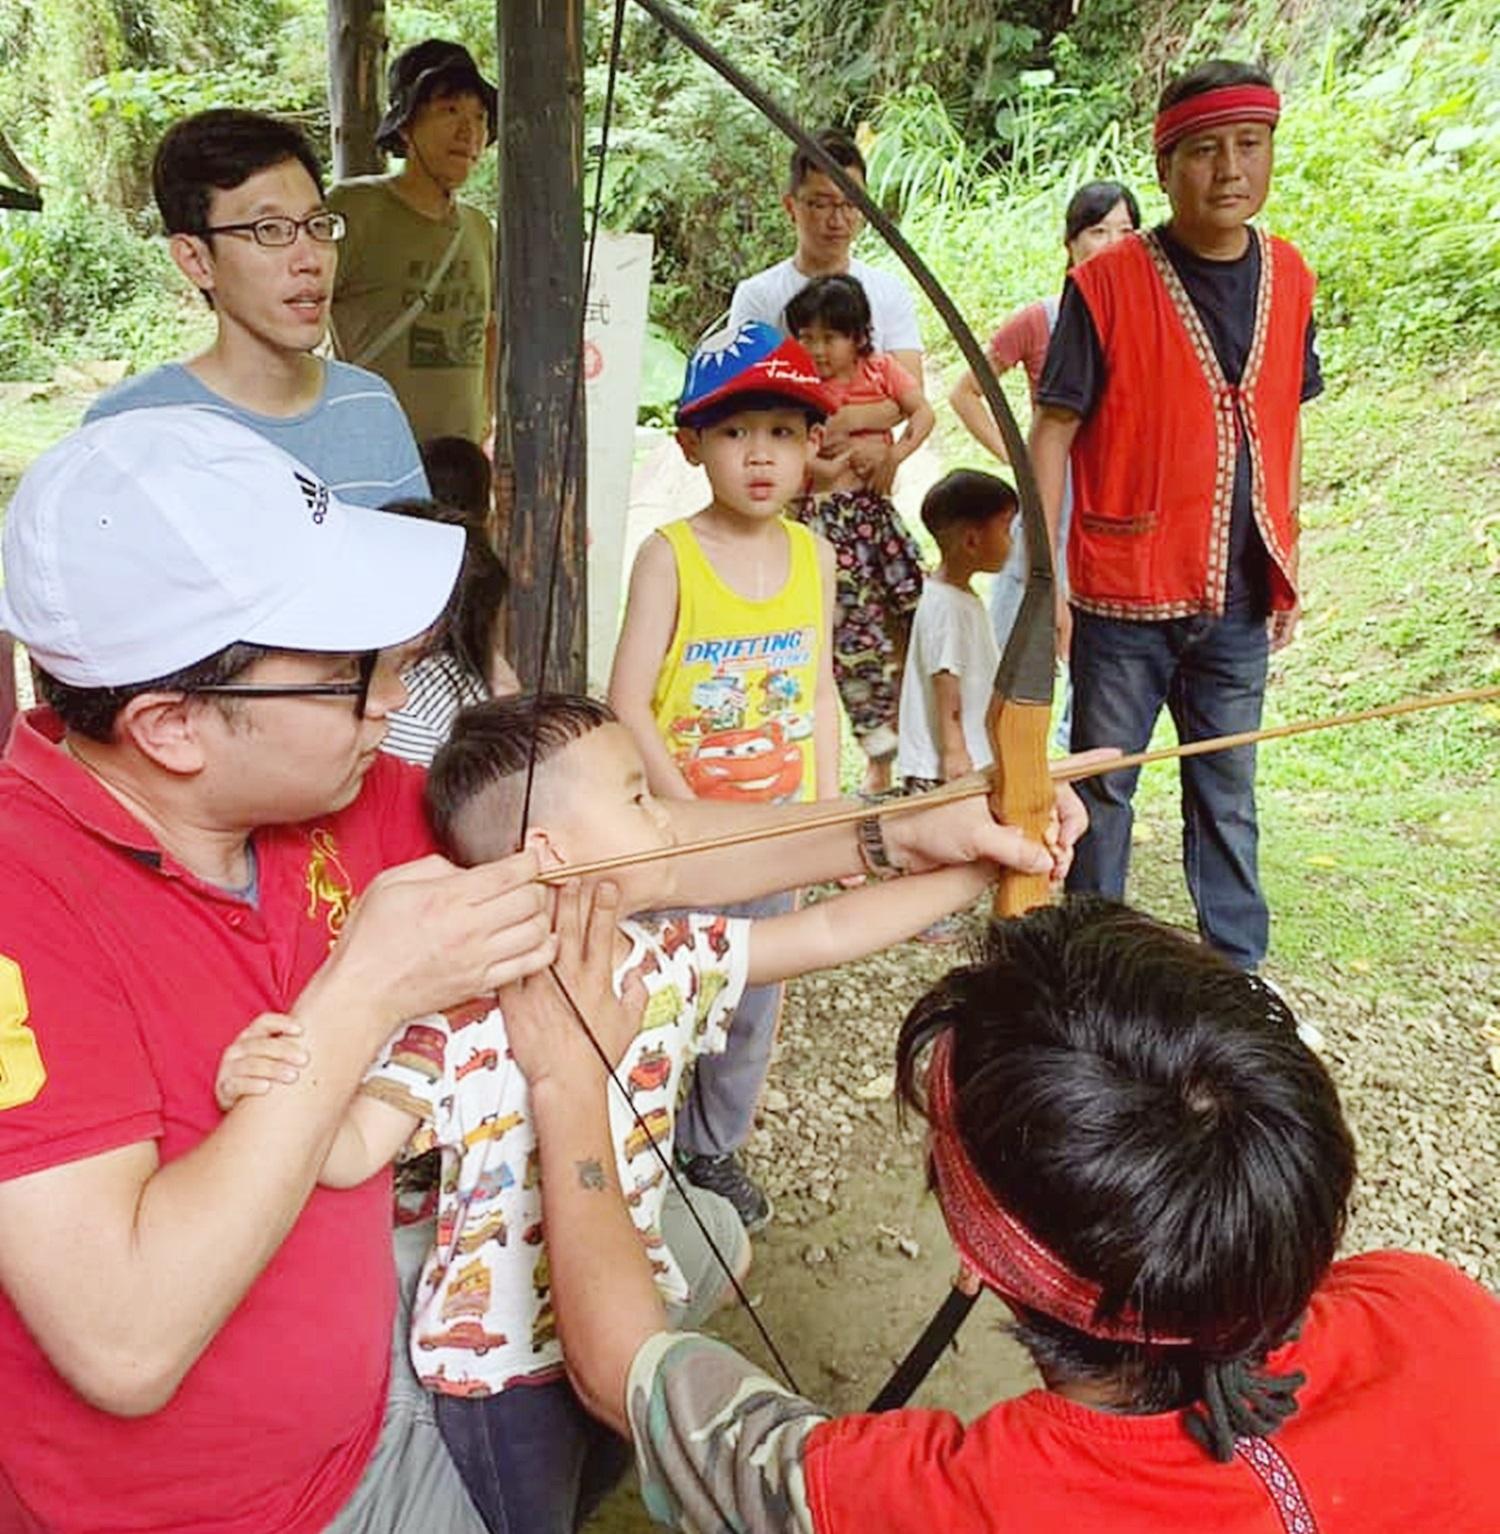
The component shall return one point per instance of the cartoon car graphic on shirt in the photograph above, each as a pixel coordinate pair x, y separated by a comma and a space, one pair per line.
420, 1049
492, 1126
779, 691
541, 1275
440, 1384
641, 1189
469, 1293
676, 933
757, 766
468, 1336
490, 1228
720, 700
652, 1070
655, 1125
544, 1328
469, 1012
493, 1181
479, 1060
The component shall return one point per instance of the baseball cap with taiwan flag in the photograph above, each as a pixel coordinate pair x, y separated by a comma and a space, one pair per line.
750, 359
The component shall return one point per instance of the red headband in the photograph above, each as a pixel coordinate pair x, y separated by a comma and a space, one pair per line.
1212, 109
1012, 1261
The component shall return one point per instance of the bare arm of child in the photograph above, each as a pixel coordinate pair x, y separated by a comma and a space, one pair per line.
875, 461
869, 415
953, 749
645, 637
268, 1052
862, 922
825, 696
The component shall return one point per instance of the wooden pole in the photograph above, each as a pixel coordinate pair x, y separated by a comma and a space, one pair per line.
356, 85
539, 428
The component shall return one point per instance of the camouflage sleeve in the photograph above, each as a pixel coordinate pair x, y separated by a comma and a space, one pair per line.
718, 1443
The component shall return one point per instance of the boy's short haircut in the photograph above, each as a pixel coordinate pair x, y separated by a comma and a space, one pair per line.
459, 475
966, 498
841, 149
218, 150
838, 302
490, 754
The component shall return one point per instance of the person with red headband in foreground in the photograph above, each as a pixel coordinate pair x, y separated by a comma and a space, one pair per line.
1175, 378
1134, 1150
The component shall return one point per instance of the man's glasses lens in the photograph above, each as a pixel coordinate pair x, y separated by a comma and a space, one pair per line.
277, 229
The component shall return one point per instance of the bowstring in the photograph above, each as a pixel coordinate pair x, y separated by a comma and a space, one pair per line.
666, 1165
555, 558
570, 431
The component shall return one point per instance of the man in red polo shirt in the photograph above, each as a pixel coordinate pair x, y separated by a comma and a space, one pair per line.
193, 1337
1176, 373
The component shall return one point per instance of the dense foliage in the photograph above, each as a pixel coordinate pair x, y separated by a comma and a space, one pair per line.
977, 127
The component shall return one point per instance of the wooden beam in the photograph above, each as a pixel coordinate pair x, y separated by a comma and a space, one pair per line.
539, 428
356, 84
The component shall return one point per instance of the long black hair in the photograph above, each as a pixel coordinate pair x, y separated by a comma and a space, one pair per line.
1092, 202
1148, 1111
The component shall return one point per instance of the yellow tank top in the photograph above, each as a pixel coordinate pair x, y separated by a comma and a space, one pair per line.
734, 696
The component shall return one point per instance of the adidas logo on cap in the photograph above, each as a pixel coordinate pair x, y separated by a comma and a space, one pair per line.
315, 493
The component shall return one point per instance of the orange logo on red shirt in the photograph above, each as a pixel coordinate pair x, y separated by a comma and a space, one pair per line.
328, 883
22, 1074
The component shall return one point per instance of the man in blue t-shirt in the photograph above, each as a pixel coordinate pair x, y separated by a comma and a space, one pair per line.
241, 196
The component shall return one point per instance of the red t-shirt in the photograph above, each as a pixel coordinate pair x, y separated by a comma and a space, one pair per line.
1023, 338
1395, 1433
122, 979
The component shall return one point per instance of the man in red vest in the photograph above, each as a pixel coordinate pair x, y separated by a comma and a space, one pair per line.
1175, 378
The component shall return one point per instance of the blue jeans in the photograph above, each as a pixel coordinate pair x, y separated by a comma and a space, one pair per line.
532, 1459
1211, 674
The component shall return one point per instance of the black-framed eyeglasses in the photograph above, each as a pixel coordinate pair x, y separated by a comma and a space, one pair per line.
277, 229
359, 689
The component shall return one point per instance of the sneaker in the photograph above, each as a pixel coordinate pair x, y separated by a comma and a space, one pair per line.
725, 1176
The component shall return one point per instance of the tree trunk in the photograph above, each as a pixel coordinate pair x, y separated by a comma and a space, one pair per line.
356, 82
539, 429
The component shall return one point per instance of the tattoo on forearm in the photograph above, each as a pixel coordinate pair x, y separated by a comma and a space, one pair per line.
591, 1176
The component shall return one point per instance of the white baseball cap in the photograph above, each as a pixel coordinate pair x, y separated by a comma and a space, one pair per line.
150, 540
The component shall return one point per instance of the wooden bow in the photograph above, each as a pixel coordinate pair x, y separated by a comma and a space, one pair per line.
1020, 712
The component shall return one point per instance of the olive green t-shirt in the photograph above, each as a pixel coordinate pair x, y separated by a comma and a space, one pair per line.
436, 365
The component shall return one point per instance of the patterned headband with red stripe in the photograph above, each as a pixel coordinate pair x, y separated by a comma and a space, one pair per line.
1212, 109
1007, 1256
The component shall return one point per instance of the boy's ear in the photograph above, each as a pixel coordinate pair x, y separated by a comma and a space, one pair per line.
689, 439
547, 854
190, 255
814, 440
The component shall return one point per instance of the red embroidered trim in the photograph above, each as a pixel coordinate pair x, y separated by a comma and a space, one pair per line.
1280, 1482
1212, 109
1007, 1256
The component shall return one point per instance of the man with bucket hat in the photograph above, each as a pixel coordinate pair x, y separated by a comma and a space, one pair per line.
200, 829
414, 297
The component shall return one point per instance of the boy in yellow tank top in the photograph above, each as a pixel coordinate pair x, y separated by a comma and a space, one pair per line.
724, 670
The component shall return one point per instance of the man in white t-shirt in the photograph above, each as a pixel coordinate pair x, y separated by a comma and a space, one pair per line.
826, 223
950, 664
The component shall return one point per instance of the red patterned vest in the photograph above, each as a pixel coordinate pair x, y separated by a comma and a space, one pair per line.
1153, 464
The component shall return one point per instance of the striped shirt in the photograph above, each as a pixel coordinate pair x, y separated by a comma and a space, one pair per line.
437, 687
355, 438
